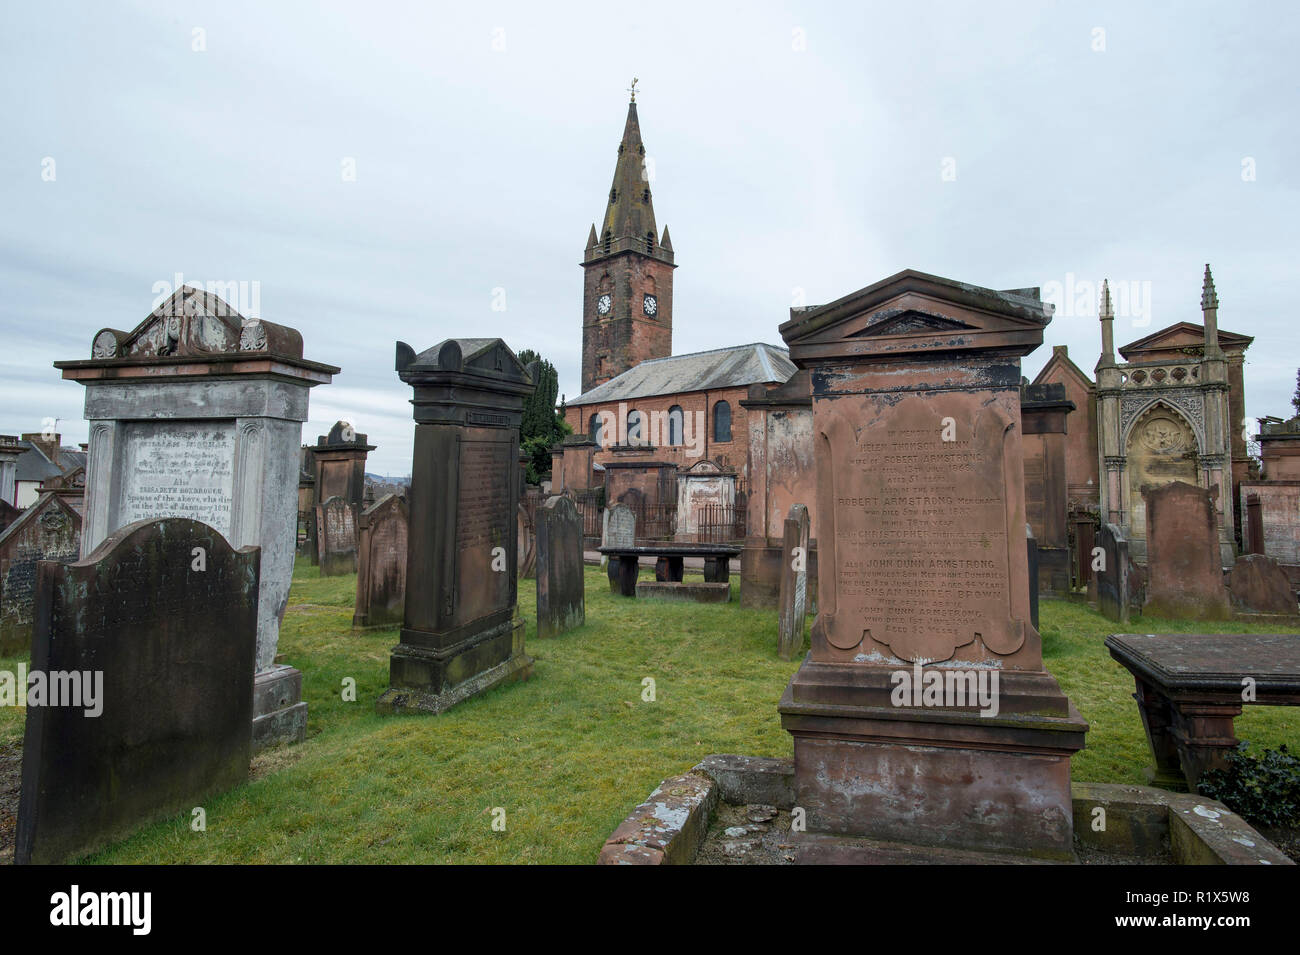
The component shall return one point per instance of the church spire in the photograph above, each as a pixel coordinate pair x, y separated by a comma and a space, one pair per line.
629, 222
1210, 315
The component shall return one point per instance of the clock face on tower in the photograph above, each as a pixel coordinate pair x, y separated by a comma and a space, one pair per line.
651, 305
604, 304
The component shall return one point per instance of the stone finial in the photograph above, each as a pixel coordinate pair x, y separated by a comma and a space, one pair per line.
1107, 310
1209, 298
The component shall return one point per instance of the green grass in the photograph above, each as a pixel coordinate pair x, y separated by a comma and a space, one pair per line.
569, 753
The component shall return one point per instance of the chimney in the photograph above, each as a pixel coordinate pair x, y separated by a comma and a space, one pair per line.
49, 446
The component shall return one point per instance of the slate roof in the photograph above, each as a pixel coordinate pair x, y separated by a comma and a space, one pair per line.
736, 367
33, 465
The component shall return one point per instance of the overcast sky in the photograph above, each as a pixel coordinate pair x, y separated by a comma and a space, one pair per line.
800, 152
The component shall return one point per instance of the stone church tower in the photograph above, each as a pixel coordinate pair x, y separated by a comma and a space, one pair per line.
627, 298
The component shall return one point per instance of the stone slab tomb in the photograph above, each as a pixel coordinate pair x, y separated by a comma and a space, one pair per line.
197, 412
1184, 573
685, 591
923, 570
462, 633
381, 565
336, 528
48, 530
561, 602
159, 623
793, 601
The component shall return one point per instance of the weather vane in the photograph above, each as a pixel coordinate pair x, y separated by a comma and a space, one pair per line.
632, 89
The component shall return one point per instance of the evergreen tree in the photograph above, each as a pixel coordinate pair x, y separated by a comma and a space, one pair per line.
541, 426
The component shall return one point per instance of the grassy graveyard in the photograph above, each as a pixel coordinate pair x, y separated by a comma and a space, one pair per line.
567, 754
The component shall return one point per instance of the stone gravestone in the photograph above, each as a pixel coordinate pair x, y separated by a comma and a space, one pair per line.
337, 537
159, 624
923, 576
1111, 579
1031, 553
560, 603
381, 564
48, 530
1257, 584
619, 531
338, 463
462, 632
794, 583
1184, 575
527, 544
198, 412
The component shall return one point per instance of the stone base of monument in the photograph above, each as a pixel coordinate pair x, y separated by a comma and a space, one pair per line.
279, 711
690, 591
934, 776
427, 679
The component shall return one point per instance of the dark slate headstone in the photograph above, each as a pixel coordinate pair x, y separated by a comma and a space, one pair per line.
1112, 577
793, 602
462, 632
170, 633
1184, 572
336, 525
560, 598
1031, 551
381, 564
48, 530
1258, 584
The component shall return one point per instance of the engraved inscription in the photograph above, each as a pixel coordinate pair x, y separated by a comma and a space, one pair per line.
482, 508
179, 469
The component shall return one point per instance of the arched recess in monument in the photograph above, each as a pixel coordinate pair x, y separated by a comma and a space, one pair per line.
1161, 447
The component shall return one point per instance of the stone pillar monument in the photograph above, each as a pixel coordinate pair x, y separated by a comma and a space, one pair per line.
198, 413
462, 632
923, 579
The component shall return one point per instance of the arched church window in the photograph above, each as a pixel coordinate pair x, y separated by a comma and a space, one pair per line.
650, 241
675, 425
722, 421
594, 430
634, 427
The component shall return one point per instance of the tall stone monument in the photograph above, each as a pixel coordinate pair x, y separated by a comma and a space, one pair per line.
338, 462
158, 646
923, 575
198, 412
462, 632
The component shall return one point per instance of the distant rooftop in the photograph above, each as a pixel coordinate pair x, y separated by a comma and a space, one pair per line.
736, 367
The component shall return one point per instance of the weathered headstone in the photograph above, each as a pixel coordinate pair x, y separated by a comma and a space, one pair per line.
337, 537
198, 412
794, 583
1258, 584
1110, 574
1184, 575
527, 545
381, 564
157, 632
338, 469
560, 598
619, 531
462, 632
1031, 553
48, 530
923, 577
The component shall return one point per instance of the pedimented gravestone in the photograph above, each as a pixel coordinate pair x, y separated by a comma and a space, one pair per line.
381, 565
336, 529
462, 633
1184, 575
48, 530
619, 531
198, 413
923, 570
793, 601
560, 586
156, 631
338, 469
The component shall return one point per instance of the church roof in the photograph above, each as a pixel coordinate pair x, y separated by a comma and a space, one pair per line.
736, 367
